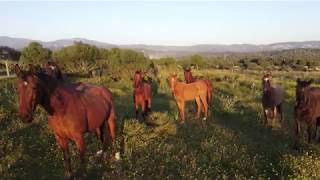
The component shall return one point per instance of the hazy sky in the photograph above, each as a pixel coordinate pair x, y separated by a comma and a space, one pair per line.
166, 23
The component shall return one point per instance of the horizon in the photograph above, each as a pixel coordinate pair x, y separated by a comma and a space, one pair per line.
163, 23
74, 38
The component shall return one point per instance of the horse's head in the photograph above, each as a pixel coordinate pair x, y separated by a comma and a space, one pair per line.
29, 92
172, 80
301, 88
137, 78
266, 81
53, 70
187, 75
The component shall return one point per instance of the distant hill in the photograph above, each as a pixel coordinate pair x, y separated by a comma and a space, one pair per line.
157, 51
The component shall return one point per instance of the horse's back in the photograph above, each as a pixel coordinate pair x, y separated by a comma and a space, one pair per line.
191, 90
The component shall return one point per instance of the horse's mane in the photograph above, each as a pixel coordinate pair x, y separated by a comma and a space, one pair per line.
137, 81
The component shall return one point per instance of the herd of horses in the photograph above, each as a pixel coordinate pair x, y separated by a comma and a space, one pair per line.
74, 109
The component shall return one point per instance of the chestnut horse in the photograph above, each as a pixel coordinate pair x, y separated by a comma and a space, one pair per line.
272, 99
307, 109
141, 95
53, 70
183, 92
71, 112
189, 79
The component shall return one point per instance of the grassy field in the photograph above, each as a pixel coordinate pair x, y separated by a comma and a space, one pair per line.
233, 144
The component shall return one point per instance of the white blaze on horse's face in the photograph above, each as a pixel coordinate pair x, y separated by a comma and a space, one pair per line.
25, 83
266, 79
52, 67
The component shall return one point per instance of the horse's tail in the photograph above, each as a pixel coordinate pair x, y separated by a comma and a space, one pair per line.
209, 92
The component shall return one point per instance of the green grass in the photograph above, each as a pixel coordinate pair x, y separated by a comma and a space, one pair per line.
232, 143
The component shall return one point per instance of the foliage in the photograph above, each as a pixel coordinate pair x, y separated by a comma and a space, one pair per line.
231, 144
35, 54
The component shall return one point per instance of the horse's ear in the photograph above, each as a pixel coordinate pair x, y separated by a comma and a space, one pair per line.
32, 69
174, 74
17, 70
298, 80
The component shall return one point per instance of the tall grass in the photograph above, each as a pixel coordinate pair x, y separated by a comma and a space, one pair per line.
233, 144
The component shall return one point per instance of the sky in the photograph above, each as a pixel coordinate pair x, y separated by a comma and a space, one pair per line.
163, 23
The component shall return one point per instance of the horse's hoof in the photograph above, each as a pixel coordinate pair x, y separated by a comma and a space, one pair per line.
99, 153
67, 175
117, 156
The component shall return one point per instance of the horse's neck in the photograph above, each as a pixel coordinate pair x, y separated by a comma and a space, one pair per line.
52, 91
138, 84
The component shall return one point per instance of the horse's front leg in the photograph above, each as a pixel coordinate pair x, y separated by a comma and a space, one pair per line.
181, 110
274, 115
63, 144
81, 147
265, 112
297, 132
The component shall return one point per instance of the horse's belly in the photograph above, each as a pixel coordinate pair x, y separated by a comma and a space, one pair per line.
67, 126
97, 115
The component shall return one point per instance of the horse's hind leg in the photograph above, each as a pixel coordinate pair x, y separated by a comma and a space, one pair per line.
112, 129
81, 147
309, 133
279, 107
205, 105
63, 144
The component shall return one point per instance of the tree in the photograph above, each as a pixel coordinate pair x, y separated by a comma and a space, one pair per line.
79, 57
197, 60
34, 53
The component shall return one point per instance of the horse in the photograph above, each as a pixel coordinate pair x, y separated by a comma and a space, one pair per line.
189, 79
53, 70
272, 99
306, 110
183, 92
72, 113
142, 95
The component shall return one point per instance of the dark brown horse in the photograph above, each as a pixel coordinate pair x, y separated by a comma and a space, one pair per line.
189, 79
183, 92
71, 112
142, 95
272, 99
307, 109
53, 70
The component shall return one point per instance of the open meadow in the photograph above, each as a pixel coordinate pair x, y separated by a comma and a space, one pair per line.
232, 143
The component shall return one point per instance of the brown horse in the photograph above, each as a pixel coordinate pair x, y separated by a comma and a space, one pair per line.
189, 79
71, 112
53, 70
142, 95
183, 92
307, 110
272, 99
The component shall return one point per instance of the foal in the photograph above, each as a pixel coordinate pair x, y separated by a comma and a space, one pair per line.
189, 79
183, 92
142, 95
272, 99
